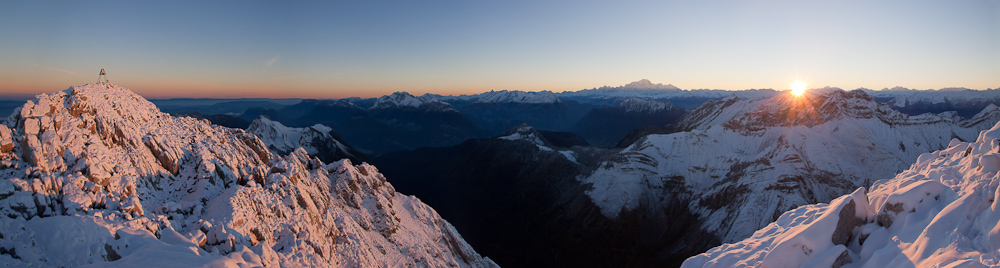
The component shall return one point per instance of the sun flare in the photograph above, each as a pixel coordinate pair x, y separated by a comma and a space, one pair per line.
798, 88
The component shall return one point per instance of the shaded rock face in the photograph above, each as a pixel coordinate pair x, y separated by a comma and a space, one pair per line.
396, 122
846, 224
607, 126
498, 117
99, 168
517, 199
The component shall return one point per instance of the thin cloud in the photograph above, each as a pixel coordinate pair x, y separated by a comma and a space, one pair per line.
32, 64
61, 70
272, 60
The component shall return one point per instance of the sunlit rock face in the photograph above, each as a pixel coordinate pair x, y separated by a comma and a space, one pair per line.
97, 175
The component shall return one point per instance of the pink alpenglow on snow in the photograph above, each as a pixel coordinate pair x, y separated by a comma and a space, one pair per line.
95, 175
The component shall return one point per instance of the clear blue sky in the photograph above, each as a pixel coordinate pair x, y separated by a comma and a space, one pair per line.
370, 48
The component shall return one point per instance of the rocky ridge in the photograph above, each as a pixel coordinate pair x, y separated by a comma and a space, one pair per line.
97, 175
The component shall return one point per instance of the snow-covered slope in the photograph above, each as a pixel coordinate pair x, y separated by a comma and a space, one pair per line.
97, 175
316, 140
941, 212
743, 162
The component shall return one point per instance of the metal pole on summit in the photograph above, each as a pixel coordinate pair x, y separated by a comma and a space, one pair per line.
102, 75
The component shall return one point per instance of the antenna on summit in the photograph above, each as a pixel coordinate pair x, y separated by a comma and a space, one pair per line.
103, 78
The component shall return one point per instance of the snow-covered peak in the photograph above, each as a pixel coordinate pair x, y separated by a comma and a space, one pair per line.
98, 175
646, 84
405, 100
524, 132
897, 88
316, 140
516, 96
641, 105
103, 100
941, 212
396, 100
989, 114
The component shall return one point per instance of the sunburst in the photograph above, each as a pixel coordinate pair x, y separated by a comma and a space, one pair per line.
798, 88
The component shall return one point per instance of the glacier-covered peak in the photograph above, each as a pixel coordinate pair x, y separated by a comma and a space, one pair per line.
646, 84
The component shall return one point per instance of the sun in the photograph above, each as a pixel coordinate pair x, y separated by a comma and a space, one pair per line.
798, 88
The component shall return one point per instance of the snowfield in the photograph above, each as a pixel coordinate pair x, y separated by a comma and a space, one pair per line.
97, 176
941, 212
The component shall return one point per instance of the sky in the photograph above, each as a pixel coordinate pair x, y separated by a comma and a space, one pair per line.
336, 49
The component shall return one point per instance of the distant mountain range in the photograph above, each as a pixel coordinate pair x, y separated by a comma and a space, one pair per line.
641, 175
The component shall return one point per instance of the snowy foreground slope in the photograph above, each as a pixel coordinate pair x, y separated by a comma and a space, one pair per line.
96, 175
941, 212
744, 162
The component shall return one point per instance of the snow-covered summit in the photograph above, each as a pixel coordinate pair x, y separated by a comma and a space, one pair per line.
646, 84
641, 105
316, 140
515, 96
97, 175
405, 100
941, 212
526, 133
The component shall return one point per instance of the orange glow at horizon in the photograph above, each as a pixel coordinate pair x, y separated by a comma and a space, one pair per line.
798, 88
